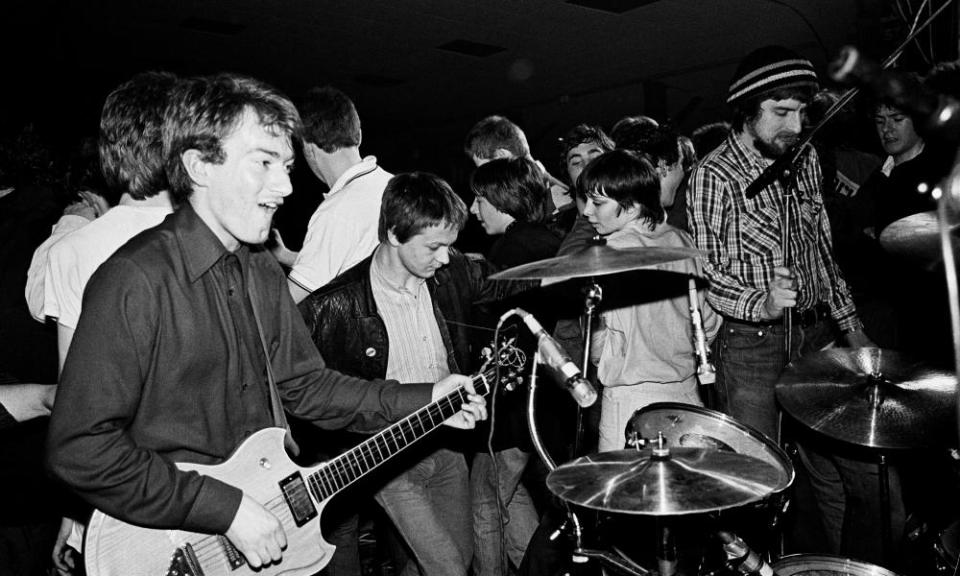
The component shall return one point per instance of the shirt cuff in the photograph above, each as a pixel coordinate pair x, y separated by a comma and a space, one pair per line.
411, 397
214, 508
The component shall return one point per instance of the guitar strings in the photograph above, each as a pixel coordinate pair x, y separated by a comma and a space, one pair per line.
208, 547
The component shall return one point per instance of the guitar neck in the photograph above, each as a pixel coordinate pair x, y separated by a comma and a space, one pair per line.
350, 466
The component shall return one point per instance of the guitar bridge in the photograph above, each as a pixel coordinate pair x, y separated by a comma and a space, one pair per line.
184, 562
234, 558
298, 499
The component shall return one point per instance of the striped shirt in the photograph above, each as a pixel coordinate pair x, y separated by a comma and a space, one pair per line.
416, 352
741, 237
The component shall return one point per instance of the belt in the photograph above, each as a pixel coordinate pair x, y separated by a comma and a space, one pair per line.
801, 318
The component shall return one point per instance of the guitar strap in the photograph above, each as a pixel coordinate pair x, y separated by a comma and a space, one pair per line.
276, 407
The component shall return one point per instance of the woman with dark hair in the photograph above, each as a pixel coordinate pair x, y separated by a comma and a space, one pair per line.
509, 203
643, 347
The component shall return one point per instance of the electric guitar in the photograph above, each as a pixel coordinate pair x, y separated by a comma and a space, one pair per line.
296, 496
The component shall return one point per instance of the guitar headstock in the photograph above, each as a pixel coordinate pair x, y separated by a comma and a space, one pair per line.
509, 357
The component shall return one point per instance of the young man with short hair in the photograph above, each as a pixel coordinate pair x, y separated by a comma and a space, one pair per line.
497, 137
188, 332
343, 229
752, 286
403, 313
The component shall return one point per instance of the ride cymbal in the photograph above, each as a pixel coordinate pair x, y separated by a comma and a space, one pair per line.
916, 236
871, 397
664, 482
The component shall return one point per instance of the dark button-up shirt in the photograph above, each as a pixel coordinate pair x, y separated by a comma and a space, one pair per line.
166, 366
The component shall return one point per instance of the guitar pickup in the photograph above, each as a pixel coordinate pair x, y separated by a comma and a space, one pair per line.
298, 499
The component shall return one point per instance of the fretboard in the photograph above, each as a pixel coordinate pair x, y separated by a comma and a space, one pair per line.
353, 464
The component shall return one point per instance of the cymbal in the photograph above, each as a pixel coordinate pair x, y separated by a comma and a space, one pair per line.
685, 481
596, 260
916, 236
871, 397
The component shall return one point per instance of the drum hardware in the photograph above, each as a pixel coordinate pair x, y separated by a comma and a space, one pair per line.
741, 557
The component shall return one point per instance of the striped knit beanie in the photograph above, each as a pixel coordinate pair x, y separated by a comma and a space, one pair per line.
770, 68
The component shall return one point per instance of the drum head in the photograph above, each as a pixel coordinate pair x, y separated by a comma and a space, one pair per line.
825, 565
688, 426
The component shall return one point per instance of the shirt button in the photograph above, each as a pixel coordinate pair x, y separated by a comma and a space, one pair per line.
370, 352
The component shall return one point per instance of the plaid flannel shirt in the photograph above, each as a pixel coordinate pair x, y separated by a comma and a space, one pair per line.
741, 238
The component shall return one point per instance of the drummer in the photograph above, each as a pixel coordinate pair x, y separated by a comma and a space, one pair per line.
643, 345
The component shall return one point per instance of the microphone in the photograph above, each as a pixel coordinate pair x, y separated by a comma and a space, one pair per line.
782, 167
553, 355
742, 558
900, 88
849, 69
706, 372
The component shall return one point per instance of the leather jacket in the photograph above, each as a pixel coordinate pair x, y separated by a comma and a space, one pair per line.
347, 329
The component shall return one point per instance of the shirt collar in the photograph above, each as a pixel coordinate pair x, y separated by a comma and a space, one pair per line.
745, 155
889, 164
358, 170
200, 246
378, 277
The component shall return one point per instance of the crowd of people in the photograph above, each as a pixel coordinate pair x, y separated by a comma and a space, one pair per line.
162, 318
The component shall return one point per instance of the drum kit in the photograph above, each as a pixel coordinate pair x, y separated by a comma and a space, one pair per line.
682, 460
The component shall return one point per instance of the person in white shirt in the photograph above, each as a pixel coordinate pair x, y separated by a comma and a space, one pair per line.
88, 207
132, 164
343, 230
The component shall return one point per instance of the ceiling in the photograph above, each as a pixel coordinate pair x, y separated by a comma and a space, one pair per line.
423, 71
557, 63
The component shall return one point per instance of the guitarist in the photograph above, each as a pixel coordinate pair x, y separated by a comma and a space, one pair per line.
187, 327
401, 314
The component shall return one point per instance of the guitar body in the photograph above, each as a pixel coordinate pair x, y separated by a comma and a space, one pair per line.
296, 496
259, 467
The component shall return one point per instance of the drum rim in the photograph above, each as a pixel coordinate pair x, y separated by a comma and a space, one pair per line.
847, 562
779, 452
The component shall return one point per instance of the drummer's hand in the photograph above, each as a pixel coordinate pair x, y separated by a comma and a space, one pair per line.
781, 293
858, 339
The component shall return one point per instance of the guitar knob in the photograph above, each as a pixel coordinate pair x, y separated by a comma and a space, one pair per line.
265, 464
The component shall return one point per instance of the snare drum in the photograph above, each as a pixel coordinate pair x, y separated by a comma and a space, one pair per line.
691, 426
824, 565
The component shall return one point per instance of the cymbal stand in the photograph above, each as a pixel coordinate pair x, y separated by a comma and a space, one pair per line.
876, 397
592, 295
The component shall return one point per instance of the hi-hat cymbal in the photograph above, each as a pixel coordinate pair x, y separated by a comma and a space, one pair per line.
596, 260
871, 397
685, 481
916, 236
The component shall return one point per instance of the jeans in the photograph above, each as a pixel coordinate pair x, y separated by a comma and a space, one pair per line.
749, 362
847, 490
430, 506
520, 518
